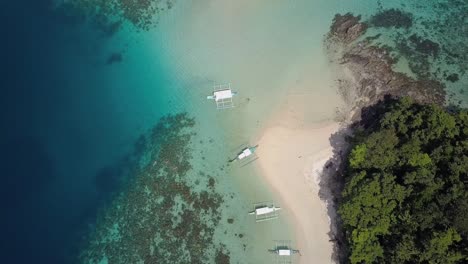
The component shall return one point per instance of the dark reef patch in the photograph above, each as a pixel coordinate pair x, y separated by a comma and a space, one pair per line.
424, 46
392, 18
108, 16
211, 182
158, 211
419, 53
222, 257
434, 41
453, 77
115, 57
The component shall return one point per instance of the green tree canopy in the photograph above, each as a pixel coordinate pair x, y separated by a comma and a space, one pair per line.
405, 198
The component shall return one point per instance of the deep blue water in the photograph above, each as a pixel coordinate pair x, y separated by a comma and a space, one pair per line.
60, 137
27, 169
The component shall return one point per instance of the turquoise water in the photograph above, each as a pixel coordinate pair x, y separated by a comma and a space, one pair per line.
77, 113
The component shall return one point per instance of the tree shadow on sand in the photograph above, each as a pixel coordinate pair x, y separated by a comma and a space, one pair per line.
331, 185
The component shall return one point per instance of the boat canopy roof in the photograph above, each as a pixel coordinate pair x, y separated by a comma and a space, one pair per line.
223, 94
264, 210
245, 153
284, 252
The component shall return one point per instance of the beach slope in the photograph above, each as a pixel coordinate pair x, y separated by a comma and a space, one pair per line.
292, 158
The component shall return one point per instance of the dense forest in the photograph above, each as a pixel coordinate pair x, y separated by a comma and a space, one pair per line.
405, 197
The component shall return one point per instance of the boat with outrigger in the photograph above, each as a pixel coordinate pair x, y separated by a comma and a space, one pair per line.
222, 95
283, 251
246, 155
264, 211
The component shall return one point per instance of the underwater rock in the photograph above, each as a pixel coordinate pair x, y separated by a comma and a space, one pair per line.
419, 53
392, 18
424, 46
376, 76
347, 28
453, 77
211, 182
222, 258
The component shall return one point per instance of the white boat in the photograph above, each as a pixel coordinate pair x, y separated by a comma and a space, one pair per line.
245, 153
284, 251
265, 210
222, 95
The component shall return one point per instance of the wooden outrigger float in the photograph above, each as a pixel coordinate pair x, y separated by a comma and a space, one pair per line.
264, 211
222, 95
283, 251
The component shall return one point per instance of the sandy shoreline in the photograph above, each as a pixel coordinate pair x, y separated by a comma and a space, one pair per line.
292, 157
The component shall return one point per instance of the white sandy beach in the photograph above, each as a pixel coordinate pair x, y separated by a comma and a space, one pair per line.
292, 157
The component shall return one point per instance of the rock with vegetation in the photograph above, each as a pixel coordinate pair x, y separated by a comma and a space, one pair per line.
405, 197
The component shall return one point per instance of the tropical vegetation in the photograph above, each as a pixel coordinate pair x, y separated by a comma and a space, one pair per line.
405, 196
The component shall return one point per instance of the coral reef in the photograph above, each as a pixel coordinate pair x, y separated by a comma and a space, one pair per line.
392, 18
418, 52
222, 257
109, 15
158, 218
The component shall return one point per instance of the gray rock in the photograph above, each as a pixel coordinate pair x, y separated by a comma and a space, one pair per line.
371, 68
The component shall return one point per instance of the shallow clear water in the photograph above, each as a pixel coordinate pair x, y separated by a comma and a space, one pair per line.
73, 118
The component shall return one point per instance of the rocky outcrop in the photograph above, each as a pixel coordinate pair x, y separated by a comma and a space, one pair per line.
366, 76
347, 28
372, 70
369, 70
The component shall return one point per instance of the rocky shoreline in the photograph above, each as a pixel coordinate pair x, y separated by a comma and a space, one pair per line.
367, 73
366, 77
